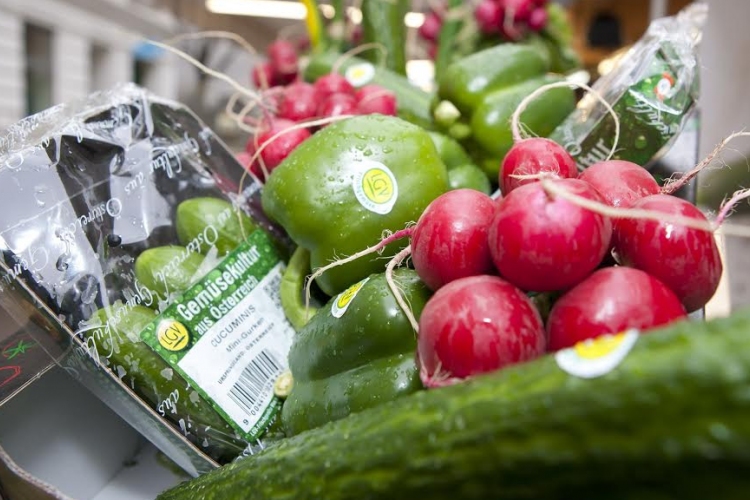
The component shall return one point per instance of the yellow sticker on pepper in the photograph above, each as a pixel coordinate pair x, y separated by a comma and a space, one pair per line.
596, 357
375, 187
341, 304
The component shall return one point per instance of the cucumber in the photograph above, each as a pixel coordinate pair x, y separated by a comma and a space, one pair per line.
413, 103
152, 379
211, 221
671, 421
167, 270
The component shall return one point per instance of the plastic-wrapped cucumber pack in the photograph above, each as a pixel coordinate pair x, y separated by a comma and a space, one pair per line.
653, 89
123, 222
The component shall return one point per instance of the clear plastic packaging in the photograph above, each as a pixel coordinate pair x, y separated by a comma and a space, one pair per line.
125, 237
653, 89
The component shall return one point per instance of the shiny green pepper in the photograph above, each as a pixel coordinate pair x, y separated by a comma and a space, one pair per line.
339, 190
357, 352
477, 96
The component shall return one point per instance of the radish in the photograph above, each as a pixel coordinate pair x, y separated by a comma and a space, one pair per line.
620, 182
528, 158
520, 9
299, 102
282, 55
430, 28
264, 76
337, 105
543, 243
375, 99
537, 19
476, 325
489, 16
610, 301
279, 148
450, 239
686, 259
332, 83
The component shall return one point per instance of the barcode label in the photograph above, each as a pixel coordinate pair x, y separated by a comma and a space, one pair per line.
273, 289
255, 385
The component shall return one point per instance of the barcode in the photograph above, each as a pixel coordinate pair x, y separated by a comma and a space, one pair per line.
257, 376
273, 289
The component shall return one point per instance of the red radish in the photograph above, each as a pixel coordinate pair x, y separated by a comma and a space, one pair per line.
620, 182
489, 15
521, 9
476, 325
357, 34
263, 75
544, 243
332, 83
450, 239
299, 102
432, 51
685, 259
534, 156
375, 99
282, 54
275, 152
243, 157
431, 27
537, 19
610, 301
337, 105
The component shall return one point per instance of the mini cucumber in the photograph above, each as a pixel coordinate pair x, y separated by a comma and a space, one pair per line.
670, 421
211, 221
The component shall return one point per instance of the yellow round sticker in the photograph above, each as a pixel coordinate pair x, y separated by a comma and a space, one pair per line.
596, 357
341, 304
172, 335
375, 187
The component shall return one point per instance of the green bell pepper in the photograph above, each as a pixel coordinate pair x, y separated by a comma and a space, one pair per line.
477, 96
450, 151
357, 352
339, 190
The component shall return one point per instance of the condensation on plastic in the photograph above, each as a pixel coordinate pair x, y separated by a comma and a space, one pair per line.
649, 121
85, 188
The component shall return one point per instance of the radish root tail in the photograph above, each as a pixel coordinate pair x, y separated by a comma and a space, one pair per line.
358, 50
728, 206
395, 261
387, 240
674, 184
516, 118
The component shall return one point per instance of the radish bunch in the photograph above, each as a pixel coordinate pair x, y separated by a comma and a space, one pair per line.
280, 68
288, 107
613, 247
509, 20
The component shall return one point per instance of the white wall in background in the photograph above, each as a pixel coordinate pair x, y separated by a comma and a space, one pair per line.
725, 75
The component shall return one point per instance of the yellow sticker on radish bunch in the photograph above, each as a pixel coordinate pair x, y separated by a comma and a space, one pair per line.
596, 357
341, 304
375, 187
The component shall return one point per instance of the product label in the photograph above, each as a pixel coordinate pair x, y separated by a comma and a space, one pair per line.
341, 304
596, 357
360, 74
375, 187
228, 336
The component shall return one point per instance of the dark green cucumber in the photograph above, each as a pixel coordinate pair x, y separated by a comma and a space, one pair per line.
413, 103
292, 289
205, 222
152, 379
671, 421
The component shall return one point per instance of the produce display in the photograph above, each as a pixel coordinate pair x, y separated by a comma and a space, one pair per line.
476, 291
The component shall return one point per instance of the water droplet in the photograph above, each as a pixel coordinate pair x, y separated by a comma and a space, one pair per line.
39, 194
62, 263
640, 142
114, 240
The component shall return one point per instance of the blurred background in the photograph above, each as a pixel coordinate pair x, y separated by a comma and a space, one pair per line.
59, 50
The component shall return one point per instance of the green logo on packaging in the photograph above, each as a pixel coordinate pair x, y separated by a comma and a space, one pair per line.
228, 336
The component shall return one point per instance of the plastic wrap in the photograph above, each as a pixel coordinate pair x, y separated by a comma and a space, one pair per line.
89, 191
653, 89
